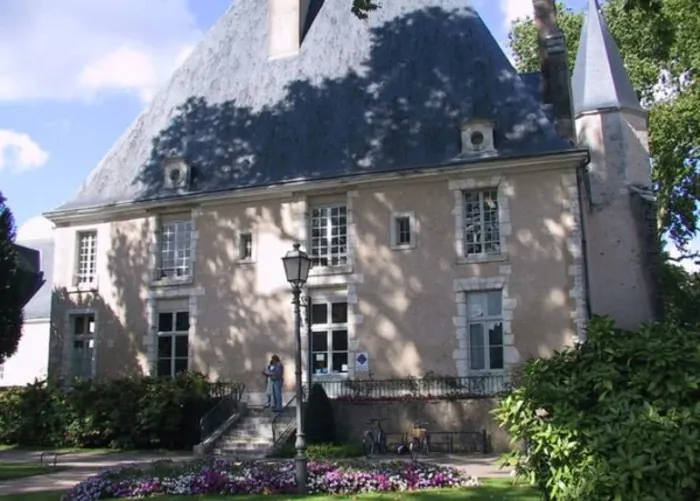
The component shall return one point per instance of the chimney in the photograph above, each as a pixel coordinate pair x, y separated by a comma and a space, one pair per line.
286, 23
556, 80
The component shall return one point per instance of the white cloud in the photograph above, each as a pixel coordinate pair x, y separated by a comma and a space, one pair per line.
76, 49
514, 9
19, 152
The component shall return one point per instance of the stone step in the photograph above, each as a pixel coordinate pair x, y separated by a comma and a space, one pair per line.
245, 435
238, 446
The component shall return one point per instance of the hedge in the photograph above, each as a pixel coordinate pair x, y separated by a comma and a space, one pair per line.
129, 413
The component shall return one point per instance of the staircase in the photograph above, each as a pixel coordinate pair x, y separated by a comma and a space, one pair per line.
253, 437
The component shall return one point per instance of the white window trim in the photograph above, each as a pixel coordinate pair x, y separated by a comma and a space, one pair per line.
253, 244
349, 231
505, 190
158, 221
91, 285
487, 345
173, 334
393, 228
69, 337
321, 296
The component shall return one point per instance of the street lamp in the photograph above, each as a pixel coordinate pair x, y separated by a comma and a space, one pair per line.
296, 266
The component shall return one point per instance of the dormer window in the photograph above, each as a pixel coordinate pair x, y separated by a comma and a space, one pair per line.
477, 137
176, 174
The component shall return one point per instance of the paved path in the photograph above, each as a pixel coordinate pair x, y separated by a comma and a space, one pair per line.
85, 464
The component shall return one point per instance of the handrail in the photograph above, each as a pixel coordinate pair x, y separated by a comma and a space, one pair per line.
277, 417
223, 410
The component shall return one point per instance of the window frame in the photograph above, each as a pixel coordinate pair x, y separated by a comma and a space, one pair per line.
175, 221
85, 336
173, 334
343, 258
464, 193
242, 258
485, 321
90, 283
329, 327
394, 228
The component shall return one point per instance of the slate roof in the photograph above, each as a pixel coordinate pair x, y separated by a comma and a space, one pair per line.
40, 305
361, 96
599, 80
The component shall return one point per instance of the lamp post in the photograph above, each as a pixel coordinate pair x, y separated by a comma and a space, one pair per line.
296, 266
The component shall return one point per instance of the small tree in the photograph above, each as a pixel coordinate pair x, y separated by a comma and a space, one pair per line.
11, 297
319, 422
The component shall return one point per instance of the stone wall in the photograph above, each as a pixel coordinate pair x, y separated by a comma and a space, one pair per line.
459, 423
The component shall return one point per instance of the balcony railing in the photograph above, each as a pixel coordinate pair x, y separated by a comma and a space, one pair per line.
427, 388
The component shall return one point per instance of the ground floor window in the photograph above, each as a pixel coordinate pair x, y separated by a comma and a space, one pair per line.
83, 345
485, 330
329, 336
173, 342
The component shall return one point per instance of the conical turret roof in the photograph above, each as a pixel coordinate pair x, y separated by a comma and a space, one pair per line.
384, 94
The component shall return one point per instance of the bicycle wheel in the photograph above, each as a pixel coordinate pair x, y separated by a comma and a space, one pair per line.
426, 445
413, 447
368, 444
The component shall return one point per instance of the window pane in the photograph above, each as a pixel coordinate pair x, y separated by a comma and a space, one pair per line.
181, 346
165, 346
165, 322
493, 299
403, 230
79, 324
246, 246
180, 365
182, 321
319, 341
496, 334
319, 313
476, 305
496, 357
164, 367
339, 313
340, 362
319, 363
476, 346
90, 320
340, 340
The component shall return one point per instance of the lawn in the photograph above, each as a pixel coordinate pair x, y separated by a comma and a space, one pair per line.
97, 450
492, 490
8, 471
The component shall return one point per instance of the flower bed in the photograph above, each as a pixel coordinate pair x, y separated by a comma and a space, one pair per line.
265, 477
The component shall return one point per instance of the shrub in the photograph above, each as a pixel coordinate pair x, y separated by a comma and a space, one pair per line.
323, 451
319, 422
616, 418
125, 413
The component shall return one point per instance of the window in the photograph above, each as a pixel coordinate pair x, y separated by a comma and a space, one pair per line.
329, 337
175, 249
245, 246
485, 328
481, 235
86, 272
402, 230
2, 371
329, 235
173, 342
83, 349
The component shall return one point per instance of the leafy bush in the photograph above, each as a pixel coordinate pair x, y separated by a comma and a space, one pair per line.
323, 451
617, 418
123, 413
319, 422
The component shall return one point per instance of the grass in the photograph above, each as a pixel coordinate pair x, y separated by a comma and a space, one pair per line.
9, 471
493, 490
96, 450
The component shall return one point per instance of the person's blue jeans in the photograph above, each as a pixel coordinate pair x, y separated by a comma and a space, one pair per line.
277, 395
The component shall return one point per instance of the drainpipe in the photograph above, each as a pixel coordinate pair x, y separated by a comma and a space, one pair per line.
584, 242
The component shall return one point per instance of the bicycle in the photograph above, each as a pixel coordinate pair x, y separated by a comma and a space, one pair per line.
419, 439
374, 439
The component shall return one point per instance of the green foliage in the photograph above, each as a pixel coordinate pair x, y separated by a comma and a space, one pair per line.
657, 38
124, 413
617, 418
323, 451
10, 285
319, 422
362, 8
681, 296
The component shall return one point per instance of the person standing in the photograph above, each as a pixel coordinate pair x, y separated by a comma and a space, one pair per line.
276, 374
268, 384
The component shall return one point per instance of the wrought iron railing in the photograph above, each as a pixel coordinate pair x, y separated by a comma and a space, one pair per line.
417, 388
220, 389
282, 427
231, 394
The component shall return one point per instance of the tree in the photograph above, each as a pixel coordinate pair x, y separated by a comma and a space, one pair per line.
660, 43
11, 285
